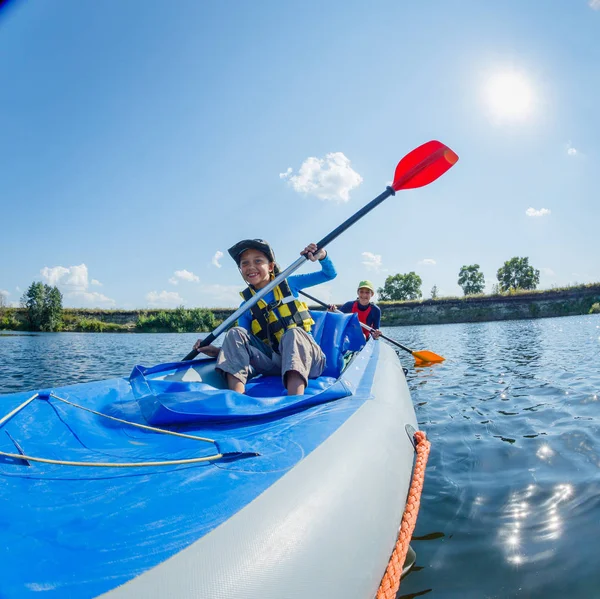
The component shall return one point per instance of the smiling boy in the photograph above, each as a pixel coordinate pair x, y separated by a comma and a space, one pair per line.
368, 312
274, 336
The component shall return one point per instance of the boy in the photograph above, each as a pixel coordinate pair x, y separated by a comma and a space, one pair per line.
368, 312
274, 336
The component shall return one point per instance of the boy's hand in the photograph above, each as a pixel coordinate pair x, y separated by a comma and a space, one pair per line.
313, 253
209, 350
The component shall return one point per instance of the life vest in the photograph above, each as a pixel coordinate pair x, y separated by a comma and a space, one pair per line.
271, 321
362, 316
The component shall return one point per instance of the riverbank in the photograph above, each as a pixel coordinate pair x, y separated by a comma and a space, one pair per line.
569, 301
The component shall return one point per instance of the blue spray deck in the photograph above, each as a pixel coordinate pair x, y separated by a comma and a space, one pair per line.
81, 531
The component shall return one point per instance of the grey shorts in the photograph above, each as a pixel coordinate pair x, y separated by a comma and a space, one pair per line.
244, 356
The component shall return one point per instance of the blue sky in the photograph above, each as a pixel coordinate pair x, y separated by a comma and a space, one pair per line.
140, 139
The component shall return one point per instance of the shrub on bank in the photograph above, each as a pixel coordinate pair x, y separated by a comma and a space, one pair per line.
180, 320
8, 320
595, 309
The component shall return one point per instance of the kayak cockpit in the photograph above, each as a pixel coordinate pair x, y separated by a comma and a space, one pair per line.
188, 392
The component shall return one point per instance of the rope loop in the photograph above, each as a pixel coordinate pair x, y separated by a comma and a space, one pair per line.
390, 583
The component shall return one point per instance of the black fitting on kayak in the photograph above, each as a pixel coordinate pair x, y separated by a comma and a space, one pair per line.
391, 190
410, 431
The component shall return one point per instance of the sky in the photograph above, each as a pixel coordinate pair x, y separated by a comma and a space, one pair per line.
141, 139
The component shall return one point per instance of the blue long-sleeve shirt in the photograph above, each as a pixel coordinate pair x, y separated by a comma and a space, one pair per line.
296, 282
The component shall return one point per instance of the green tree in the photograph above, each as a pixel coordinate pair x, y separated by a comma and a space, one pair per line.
401, 287
434, 292
44, 306
471, 279
52, 313
518, 274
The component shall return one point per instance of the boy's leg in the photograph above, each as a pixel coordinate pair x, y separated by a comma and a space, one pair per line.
241, 357
301, 359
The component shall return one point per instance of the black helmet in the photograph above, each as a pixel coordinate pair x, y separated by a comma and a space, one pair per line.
235, 251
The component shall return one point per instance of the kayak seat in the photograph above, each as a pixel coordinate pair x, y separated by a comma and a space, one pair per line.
337, 334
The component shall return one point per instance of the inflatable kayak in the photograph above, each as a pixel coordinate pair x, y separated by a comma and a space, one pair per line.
166, 484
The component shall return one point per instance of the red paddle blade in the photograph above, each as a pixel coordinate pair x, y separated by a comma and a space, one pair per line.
423, 165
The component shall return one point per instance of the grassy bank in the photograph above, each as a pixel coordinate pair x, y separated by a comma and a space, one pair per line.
179, 320
566, 301
514, 305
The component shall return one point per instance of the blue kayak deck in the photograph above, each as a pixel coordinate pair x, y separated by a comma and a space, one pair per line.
79, 532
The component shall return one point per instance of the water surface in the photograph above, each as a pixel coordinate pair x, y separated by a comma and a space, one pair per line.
511, 505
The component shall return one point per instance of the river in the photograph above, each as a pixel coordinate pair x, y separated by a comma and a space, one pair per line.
511, 504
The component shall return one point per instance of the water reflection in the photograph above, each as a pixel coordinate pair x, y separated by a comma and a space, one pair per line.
533, 519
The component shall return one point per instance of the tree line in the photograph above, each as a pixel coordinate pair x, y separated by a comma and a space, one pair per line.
44, 312
516, 273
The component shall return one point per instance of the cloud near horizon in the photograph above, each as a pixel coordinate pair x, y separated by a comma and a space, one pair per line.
183, 275
73, 282
372, 261
535, 213
329, 178
427, 262
220, 296
164, 299
594, 4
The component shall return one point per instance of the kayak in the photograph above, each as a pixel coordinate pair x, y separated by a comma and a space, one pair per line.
167, 484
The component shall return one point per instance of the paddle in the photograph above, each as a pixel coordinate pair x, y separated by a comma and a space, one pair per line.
423, 355
418, 168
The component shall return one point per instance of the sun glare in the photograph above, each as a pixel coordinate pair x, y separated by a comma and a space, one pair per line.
509, 96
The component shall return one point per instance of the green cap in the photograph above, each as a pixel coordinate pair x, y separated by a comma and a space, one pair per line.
366, 285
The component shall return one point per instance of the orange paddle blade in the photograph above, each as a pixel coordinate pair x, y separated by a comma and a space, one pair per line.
427, 356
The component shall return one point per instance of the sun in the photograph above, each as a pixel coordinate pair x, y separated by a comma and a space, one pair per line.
509, 96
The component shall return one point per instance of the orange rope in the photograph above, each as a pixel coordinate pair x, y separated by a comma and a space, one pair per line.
390, 583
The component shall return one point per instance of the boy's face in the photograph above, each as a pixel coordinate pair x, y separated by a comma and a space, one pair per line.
256, 268
364, 295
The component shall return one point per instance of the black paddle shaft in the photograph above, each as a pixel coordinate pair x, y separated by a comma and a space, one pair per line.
355, 217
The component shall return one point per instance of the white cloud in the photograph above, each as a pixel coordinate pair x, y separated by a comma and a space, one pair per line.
183, 275
164, 299
63, 276
4, 292
73, 282
329, 178
215, 259
427, 262
372, 261
548, 272
96, 282
534, 212
594, 4
571, 151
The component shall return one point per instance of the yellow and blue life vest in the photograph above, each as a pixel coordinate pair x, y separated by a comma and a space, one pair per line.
271, 321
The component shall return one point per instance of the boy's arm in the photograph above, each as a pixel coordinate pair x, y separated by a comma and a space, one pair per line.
327, 273
376, 317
